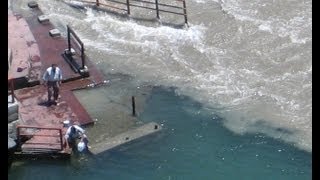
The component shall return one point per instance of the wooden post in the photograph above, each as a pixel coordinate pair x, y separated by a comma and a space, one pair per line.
133, 107
97, 2
128, 7
157, 9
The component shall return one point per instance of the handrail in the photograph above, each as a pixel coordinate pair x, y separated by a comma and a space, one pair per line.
71, 32
19, 134
156, 8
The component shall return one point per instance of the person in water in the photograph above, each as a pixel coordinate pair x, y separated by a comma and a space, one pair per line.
83, 144
73, 133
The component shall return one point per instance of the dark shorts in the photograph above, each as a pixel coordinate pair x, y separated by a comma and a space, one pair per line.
53, 84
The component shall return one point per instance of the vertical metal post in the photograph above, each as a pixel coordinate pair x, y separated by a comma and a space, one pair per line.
82, 55
12, 90
97, 2
61, 143
18, 137
157, 9
128, 6
69, 43
133, 106
185, 11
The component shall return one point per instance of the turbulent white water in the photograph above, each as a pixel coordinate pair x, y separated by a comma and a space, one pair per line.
249, 60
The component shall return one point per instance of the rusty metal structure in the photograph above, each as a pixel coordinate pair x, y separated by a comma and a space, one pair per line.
125, 5
50, 139
75, 55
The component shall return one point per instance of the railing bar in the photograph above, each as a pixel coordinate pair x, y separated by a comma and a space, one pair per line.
171, 12
40, 127
142, 7
117, 2
36, 148
148, 2
40, 135
42, 143
88, 2
112, 7
170, 6
75, 35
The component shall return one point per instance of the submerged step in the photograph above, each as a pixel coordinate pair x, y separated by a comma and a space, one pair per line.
54, 33
126, 137
43, 18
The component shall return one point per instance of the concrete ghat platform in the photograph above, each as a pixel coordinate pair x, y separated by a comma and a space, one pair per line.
33, 107
125, 137
23, 47
33, 50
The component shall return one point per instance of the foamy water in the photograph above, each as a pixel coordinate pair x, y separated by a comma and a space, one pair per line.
249, 61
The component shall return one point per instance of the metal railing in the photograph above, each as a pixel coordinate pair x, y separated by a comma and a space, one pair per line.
34, 133
78, 42
158, 7
11, 89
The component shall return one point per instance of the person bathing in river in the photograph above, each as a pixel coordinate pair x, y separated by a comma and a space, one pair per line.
73, 133
83, 144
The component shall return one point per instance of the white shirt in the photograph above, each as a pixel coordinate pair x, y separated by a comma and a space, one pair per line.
78, 129
49, 75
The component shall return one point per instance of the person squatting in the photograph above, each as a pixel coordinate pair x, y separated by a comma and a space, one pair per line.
73, 133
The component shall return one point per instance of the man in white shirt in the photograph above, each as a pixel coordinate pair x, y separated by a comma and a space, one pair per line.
52, 79
72, 134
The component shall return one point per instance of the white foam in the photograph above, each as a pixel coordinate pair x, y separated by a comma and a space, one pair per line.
254, 93
297, 27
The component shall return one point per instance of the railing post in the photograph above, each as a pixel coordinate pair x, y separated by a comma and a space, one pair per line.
97, 2
82, 55
18, 138
69, 43
185, 11
61, 142
157, 9
128, 6
11, 90
133, 107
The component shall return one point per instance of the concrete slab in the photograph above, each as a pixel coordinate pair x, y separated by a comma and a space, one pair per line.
43, 18
33, 51
54, 33
22, 44
125, 137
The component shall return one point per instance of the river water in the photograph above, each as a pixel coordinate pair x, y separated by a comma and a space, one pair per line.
233, 90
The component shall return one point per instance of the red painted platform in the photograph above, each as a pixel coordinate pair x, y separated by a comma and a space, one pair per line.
33, 109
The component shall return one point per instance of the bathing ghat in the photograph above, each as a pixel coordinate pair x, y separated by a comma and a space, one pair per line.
37, 126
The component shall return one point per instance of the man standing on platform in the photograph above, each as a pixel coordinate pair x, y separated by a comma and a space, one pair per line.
52, 79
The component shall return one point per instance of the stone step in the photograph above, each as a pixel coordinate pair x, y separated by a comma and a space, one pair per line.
125, 137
